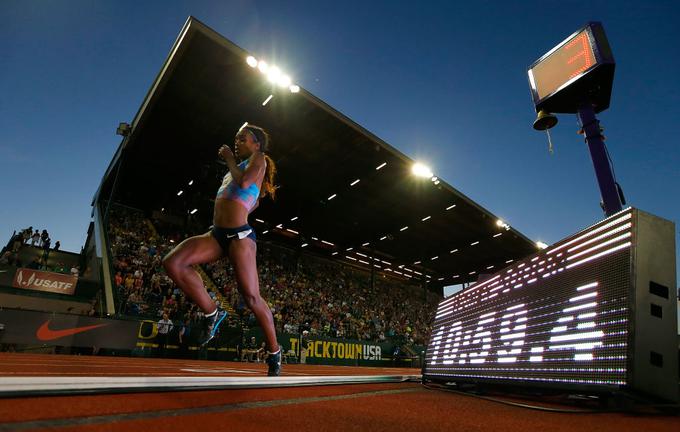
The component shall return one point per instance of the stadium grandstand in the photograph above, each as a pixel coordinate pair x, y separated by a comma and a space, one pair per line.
355, 246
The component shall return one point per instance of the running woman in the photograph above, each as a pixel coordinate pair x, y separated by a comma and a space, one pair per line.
239, 194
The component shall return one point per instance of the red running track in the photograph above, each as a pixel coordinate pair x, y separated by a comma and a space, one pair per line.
372, 407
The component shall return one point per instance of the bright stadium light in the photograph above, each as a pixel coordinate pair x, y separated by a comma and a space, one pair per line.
180, 193
284, 81
294, 88
273, 74
194, 211
252, 61
421, 170
266, 101
541, 245
263, 66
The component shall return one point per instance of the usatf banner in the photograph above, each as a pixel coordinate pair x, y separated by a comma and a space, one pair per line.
40, 328
45, 281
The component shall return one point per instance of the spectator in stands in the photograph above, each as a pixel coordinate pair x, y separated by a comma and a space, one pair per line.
26, 234
304, 342
17, 241
75, 271
164, 328
249, 350
231, 235
35, 239
57, 245
43, 237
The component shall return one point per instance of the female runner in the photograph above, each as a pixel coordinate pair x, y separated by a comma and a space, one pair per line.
237, 197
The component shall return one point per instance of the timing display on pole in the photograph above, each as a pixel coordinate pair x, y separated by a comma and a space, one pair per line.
580, 68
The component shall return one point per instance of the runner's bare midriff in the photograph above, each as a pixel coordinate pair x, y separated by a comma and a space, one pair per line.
229, 214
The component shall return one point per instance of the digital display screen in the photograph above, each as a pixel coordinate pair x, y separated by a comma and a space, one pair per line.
560, 316
568, 61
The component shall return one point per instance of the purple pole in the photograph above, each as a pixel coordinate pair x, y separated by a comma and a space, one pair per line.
603, 170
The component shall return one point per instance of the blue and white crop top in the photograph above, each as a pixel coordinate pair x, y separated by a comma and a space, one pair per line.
232, 191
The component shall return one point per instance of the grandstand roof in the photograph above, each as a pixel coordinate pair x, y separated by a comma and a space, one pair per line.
203, 94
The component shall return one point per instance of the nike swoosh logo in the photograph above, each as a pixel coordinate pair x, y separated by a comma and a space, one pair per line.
44, 333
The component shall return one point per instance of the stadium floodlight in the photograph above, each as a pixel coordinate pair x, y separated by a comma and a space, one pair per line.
193, 211
450, 207
284, 81
294, 88
180, 193
454, 251
265, 231
259, 220
474, 243
434, 258
380, 166
404, 228
266, 101
541, 245
354, 182
293, 219
191, 182
434, 179
252, 61
273, 74
426, 218
263, 66
332, 196
383, 238
366, 244
420, 170
416, 263
304, 245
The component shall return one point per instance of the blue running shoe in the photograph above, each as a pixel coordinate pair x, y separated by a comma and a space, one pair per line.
210, 326
274, 362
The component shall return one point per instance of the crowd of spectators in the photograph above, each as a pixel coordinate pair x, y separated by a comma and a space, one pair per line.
40, 240
305, 292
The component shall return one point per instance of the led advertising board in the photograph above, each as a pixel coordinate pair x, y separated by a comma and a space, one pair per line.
566, 316
579, 69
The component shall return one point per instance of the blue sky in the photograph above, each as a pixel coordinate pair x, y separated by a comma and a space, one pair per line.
444, 82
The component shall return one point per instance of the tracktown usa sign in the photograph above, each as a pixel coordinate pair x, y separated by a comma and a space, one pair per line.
45, 281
